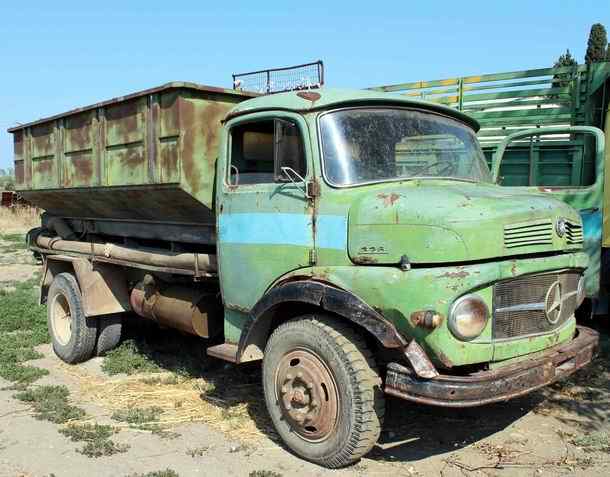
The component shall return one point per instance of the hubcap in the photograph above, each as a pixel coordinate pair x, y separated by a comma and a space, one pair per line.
307, 394
61, 319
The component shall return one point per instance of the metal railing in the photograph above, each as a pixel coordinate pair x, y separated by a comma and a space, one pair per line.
276, 80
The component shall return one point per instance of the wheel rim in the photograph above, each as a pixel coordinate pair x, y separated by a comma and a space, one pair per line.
307, 394
61, 319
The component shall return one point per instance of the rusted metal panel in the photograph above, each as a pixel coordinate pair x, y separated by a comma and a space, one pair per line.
43, 155
169, 136
79, 165
225, 351
103, 286
188, 309
167, 86
499, 384
150, 156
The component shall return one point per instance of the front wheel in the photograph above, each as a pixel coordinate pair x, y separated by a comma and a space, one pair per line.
323, 390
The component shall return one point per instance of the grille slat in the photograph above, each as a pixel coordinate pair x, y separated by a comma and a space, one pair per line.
525, 235
574, 235
519, 304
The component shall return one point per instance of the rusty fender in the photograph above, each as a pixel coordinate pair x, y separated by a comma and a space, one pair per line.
331, 299
498, 384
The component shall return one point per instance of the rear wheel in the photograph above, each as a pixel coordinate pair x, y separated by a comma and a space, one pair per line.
73, 334
109, 332
322, 390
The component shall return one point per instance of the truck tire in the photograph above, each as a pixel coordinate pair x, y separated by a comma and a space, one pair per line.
323, 390
109, 328
72, 333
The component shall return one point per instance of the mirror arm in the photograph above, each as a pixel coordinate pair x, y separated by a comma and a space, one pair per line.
287, 170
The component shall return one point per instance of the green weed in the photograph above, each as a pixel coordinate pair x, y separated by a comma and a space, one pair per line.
198, 451
128, 359
96, 438
138, 415
596, 441
50, 403
145, 419
22, 327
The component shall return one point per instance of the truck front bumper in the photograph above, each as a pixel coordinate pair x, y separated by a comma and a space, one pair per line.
499, 384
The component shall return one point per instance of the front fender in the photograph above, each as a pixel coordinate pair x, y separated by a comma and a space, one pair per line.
322, 295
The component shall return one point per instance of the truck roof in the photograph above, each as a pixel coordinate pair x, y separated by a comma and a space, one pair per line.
323, 98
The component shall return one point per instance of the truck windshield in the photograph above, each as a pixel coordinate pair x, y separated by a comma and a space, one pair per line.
361, 145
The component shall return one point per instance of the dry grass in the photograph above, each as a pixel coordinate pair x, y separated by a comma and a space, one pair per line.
181, 400
18, 220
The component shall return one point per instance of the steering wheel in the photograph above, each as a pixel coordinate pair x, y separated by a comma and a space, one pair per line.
447, 166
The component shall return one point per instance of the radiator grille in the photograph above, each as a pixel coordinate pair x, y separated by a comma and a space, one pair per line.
573, 233
520, 304
526, 235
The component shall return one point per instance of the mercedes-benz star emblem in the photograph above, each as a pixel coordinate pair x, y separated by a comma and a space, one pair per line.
561, 227
552, 303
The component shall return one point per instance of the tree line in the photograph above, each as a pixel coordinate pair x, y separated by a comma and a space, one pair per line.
598, 48
7, 179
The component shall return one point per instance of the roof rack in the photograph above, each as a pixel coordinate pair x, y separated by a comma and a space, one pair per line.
277, 80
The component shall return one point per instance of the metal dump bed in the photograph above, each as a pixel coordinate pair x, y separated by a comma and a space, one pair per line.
146, 157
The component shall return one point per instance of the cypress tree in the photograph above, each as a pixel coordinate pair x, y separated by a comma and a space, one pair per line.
597, 44
563, 79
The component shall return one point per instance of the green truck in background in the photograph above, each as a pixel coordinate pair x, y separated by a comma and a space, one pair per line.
354, 241
516, 111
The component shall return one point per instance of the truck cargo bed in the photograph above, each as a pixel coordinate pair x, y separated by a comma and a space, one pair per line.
149, 156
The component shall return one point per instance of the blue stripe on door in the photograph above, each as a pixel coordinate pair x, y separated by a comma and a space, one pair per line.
282, 229
331, 232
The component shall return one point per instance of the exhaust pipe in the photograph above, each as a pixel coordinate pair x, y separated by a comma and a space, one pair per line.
158, 258
186, 309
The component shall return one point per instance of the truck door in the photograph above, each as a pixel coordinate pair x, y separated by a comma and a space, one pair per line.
567, 163
264, 218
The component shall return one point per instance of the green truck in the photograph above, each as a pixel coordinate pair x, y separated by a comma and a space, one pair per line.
354, 241
551, 125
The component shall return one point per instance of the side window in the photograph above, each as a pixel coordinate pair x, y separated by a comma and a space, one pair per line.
259, 150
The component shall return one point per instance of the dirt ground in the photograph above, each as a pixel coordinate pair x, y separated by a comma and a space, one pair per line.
561, 430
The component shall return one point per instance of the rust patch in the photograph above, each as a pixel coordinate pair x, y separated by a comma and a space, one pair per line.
420, 363
513, 269
169, 118
426, 319
83, 170
309, 96
445, 361
365, 260
388, 199
43, 140
78, 132
169, 163
485, 387
44, 167
213, 113
131, 158
18, 143
19, 173
461, 274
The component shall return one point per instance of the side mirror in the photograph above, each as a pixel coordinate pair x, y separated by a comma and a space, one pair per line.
499, 155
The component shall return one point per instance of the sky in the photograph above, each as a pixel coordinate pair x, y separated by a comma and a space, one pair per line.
59, 55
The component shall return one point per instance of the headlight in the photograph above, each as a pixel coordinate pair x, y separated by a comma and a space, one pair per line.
468, 317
